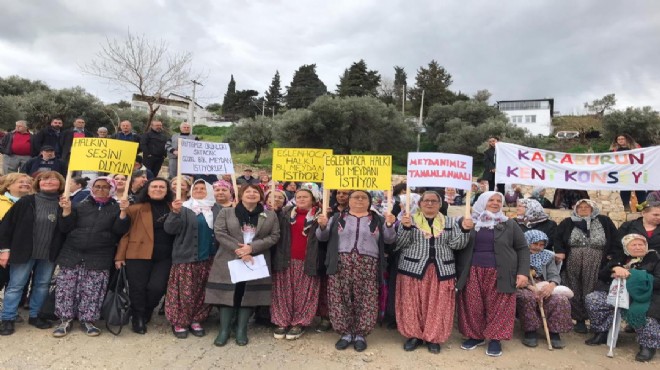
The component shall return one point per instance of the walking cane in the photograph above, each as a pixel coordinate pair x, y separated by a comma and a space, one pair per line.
610, 354
545, 321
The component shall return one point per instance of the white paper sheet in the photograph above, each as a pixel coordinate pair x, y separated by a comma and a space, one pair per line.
244, 271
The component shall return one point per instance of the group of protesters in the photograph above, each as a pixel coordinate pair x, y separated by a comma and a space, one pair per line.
362, 259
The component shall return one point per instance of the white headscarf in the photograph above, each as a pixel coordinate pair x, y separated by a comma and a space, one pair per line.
484, 218
203, 206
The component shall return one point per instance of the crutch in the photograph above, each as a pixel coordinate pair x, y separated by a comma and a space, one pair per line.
545, 321
616, 307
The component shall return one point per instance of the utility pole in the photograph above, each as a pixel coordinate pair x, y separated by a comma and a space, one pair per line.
419, 127
191, 110
263, 108
403, 100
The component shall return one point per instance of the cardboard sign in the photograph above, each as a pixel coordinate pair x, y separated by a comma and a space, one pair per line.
204, 157
439, 170
364, 172
299, 164
103, 155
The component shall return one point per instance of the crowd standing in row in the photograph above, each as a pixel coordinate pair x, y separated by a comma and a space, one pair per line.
350, 264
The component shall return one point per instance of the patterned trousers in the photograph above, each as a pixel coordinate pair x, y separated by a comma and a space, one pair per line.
184, 302
353, 294
483, 312
601, 315
79, 293
557, 311
295, 296
581, 276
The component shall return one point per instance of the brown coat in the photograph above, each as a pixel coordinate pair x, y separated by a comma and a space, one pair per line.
227, 228
138, 242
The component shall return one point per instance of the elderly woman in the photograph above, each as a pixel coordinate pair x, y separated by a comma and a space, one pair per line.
489, 270
14, 186
648, 225
355, 262
530, 215
93, 230
192, 254
31, 240
584, 241
538, 194
557, 308
452, 197
146, 250
295, 267
223, 192
426, 279
242, 232
640, 267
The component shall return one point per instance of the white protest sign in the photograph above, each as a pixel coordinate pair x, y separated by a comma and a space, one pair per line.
439, 170
203, 157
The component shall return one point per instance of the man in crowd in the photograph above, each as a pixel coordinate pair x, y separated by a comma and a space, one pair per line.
247, 178
102, 132
16, 148
152, 144
45, 161
66, 139
489, 163
48, 136
172, 147
126, 133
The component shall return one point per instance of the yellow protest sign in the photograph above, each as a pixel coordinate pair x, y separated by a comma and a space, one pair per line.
364, 172
299, 164
103, 155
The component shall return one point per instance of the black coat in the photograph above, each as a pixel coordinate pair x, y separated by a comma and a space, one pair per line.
489, 164
35, 164
637, 227
281, 252
153, 143
47, 136
92, 234
549, 227
66, 140
16, 230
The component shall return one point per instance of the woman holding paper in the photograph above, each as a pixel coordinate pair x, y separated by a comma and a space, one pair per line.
426, 273
243, 232
295, 267
494, 264
640, 269
192, 254
146, 250
355, 262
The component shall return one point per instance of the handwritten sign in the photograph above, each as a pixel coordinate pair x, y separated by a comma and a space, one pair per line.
103, 155
299, 164
364, 172
203, 157
635, 169
439, 170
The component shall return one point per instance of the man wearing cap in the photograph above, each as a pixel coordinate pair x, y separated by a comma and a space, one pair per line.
172, 147
48, 136
46, 161
16, 148
247, 178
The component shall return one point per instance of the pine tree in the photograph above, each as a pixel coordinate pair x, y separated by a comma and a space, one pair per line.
400, 81
435, 82
305, 87
274, 95
358, 81
229, 102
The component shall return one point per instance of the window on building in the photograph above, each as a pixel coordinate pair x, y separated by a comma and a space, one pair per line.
516, 119
530, 119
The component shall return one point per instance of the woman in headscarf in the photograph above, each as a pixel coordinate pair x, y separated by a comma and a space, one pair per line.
557, 308
538, 194
512, 193
295, 267
223, 192
242, 232
93, 229
452, 197
489, 270
640, 267
530, 215
355, 263
583, 241
192, 254
427, 274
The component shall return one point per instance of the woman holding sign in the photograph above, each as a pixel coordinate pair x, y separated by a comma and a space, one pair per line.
494, 264
427, 274
242, 232
355, 262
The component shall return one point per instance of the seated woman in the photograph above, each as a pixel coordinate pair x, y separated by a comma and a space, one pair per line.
538, 194
640, 267
530, 215
557, 307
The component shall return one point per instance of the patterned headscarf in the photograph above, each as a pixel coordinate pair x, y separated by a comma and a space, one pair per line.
203, 206
226, 185
595, 211
534, 213
483, 217
312, 214
536, 193
542, 258
627, 239
316, 191
378, 202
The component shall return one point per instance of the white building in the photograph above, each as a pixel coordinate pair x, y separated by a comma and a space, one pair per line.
175, 106
534, 114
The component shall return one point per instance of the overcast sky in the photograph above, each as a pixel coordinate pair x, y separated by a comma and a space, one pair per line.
573, 51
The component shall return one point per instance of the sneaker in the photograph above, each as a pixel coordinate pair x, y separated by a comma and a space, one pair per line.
471, 344
280, 332
90, 329
295, 332
62, 329
324, 326
40, 323
494, 348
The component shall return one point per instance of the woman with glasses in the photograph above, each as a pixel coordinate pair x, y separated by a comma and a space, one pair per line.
426, 278
355, 262
31, 240
92, 230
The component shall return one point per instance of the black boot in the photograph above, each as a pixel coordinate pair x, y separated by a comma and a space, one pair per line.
226, 316
645, 354
138, 325
581, 327
244, 314
598, 339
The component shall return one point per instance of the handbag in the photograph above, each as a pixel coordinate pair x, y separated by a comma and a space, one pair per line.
117, 304
624, 296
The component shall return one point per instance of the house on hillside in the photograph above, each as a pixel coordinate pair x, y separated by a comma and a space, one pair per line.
533, 114
174, 106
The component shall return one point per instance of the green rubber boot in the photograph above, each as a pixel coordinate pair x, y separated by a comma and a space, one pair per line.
244, 314
226, 315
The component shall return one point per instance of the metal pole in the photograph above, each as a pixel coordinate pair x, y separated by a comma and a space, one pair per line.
403, 100
419, 126
191, 111
263, 108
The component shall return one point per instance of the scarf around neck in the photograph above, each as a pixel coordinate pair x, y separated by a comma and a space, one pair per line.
246, 217
420, 221
484, 218
311, 216
203, 206
534, 213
